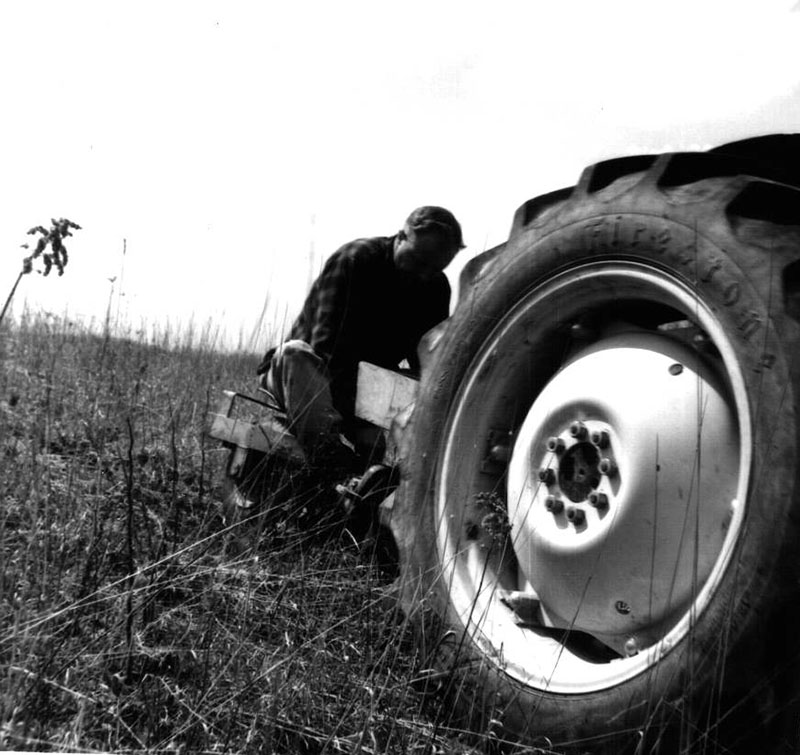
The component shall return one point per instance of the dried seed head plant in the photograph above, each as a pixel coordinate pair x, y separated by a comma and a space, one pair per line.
57, 257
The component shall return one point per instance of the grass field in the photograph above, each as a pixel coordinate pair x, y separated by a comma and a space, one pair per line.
128, 622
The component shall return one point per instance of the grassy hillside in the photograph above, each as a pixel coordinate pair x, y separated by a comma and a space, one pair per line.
127, 619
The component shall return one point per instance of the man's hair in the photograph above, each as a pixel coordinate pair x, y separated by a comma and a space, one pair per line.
437, 221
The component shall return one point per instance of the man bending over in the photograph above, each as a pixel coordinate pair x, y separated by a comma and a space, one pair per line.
372, 302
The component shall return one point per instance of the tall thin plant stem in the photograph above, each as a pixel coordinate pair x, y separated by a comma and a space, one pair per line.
11, 296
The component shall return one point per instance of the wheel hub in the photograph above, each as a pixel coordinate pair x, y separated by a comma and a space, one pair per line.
578, 473
620, 487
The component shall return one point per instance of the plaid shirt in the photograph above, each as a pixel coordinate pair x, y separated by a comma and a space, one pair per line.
362, 308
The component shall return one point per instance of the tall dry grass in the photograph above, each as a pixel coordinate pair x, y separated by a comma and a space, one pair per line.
126, 623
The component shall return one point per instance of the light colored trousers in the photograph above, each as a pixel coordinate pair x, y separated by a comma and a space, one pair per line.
299, 382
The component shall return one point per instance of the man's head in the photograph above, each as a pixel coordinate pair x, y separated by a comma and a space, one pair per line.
429, 240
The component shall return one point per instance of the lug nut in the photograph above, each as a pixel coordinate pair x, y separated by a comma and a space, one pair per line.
598, 500
500, 453
600, 438
547, 476
631, 647
556, 445
553, 505
582, 332
578, 430
607, 467
576, 516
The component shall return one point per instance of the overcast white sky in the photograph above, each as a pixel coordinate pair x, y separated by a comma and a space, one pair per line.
234, 145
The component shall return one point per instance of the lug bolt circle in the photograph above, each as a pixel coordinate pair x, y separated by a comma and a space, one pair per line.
578, 430
600, 438
547, 476
598, 500
575, 515
607, 467
556, 445
553, 505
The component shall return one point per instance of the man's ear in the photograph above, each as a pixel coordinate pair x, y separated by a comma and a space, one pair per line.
402, 235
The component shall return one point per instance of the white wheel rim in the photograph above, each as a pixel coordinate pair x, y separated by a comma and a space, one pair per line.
474, 571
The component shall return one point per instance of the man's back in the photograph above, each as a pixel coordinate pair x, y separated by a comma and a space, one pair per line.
372, 302
363, 308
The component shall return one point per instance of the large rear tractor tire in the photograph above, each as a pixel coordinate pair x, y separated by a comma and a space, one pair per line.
598, 518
